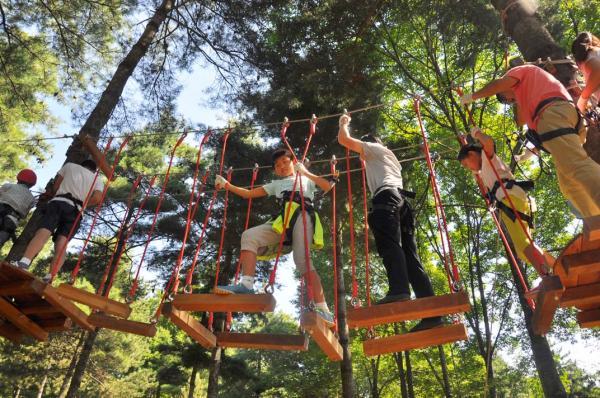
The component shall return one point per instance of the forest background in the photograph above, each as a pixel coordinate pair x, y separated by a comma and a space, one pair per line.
153, 69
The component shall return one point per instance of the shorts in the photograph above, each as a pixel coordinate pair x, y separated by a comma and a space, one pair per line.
59, 217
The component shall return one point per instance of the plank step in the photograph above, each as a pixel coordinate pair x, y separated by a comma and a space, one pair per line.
323, 336
589, 319
409, 310
583, 297
63, 305
591, 228
415, 340
17, 288
94, 301
225, 303
582, 263
186, 322
263, 341
21, 321
104, 321
546, 304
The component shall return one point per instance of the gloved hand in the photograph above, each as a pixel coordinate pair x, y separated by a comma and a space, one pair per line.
300, 169
466, 99
345, 120
474, 131
582, 104
220, 182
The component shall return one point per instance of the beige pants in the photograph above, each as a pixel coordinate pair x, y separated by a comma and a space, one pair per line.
263, 241
578, 175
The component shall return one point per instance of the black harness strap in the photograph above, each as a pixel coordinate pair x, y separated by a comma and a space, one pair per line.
511, 213
538, 139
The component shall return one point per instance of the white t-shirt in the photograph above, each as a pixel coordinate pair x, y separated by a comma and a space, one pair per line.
77, 181
381, 167
18, 197
277, 187
489, 177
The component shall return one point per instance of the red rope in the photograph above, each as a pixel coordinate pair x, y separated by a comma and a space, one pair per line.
453, 275
355, 299
366, 230
97, 211
54, 267
191, 209
122, 228
332, 168
190, 274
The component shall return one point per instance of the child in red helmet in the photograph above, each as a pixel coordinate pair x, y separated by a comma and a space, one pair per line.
15, 203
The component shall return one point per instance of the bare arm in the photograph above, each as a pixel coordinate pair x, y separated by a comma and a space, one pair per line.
321, 182
495, 86
344, 137
593, 82
486, 141
95, 198
246, 193
56, 185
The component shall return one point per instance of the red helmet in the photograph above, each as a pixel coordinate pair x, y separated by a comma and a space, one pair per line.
27, 176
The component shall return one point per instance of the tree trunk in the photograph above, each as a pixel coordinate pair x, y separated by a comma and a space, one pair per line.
375, 379
445, 377
213, 373
40, 393
343, 332
71, 368
102, 111
193, 381
84, 358
409, 376
400, 365
18, 392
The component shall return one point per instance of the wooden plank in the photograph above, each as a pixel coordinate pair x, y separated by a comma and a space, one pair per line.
21, 321
589, 319
55, 324
415, 340
63, 305
104, 321
186, 322
546, 304
11, 333
9, 272
225, 303
323, 336
95, 301
16, 288
584, 297
41, 308
263, 341
591, 228
582, 263
409, 310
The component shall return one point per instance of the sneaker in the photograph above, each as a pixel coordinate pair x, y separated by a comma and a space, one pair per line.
233, 289
47, 278
428, 323
20, 264
326, 316
392, 298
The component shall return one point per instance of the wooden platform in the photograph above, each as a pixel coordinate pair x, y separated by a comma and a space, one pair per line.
409, 310
225, 303
263, 341
547, 301
589, 319
186, 322
578, 268
415, 340
31, 307
104, 321
323, 336
94, 301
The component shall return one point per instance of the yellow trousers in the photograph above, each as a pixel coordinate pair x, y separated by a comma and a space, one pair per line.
517, 234
578, 175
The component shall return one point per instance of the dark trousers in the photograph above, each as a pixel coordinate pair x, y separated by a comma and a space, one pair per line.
392, 221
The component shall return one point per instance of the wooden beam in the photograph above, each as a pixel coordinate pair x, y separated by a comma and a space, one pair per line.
415, 340
546, 304
63, 305
95, 301
591, 228
39, 308
186, 322
225, 303
263, 341
122, 325
582, 263
582, 296
323, 336
11, 333
55, 324
21, 321
17, 288
409, 310
589, 319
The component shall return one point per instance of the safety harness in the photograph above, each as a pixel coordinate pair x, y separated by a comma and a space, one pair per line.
390, 208
538, 139
509, 183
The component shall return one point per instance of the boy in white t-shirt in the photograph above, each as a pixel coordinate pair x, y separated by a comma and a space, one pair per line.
479, 158
68, 193
262, 240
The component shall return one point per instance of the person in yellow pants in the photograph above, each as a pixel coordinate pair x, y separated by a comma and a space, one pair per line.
481, 158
